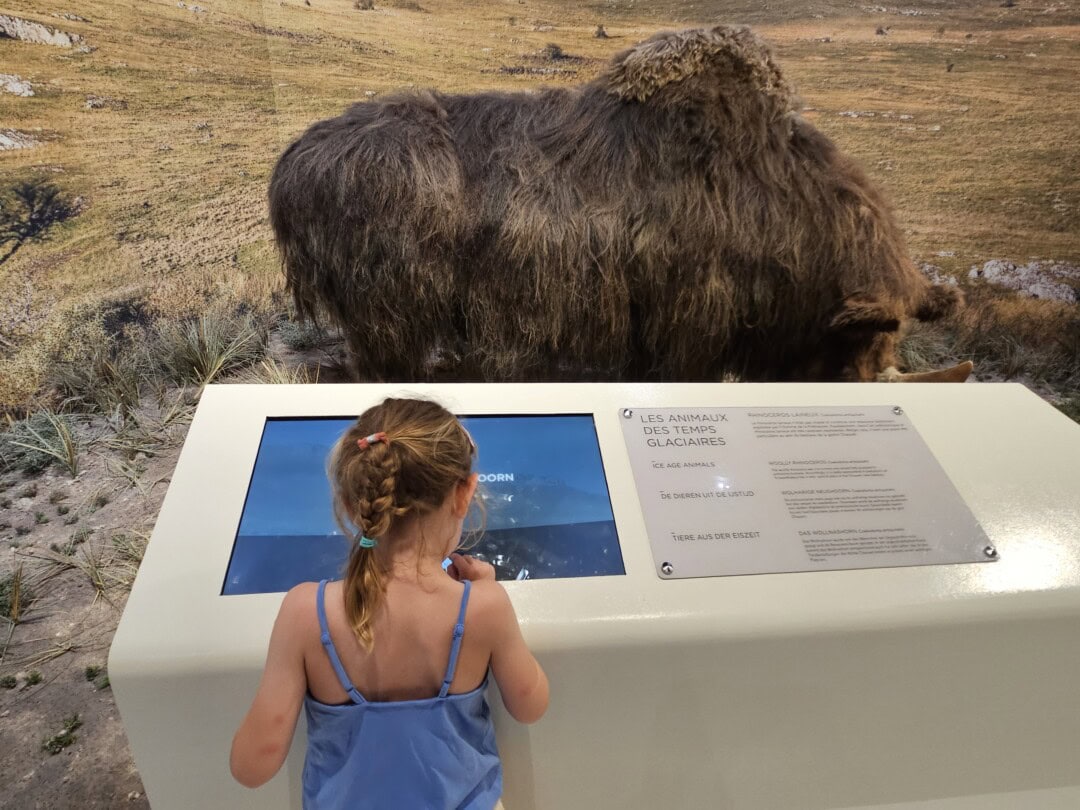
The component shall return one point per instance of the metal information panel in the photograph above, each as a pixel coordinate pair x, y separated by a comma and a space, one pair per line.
768, 490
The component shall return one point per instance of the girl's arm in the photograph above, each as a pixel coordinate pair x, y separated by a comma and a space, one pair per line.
522, 682
262, 742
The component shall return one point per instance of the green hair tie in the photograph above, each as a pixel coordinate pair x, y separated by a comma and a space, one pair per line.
366, 542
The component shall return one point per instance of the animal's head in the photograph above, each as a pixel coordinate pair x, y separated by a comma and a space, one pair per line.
703, 67
863, 336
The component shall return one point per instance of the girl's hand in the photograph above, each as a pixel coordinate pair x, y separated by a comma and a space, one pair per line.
465, 567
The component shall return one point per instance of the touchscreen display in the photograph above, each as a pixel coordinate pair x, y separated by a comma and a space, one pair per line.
548, 513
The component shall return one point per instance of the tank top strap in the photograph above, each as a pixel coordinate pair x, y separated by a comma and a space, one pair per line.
455, 646
331, 651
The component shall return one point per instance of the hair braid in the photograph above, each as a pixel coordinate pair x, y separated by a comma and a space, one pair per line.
411, 470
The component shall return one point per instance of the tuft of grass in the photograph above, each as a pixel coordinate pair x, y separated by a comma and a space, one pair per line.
29, 491
198, 351
8, 682
62, 510
301, 335
147, 434
77, 539
57, 496
14, 595
129, 549
106, 380
271, 372
58, 742
99, 501
97, 676
44, 438
93, 565
33, 678
39, 518
130, 471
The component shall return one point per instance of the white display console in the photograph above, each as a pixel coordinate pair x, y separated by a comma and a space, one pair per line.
745, 596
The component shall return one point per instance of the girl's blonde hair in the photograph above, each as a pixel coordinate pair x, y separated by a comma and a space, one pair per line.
426, 453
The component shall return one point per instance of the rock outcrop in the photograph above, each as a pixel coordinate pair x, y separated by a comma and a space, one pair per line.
18, 28
1049, 280
15, 85
13, 139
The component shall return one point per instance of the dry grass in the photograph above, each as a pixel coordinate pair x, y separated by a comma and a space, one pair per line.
273, 372
14, 596
129, 548
1021, 336
172, 186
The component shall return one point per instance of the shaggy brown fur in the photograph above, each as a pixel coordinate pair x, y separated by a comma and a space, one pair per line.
674, 219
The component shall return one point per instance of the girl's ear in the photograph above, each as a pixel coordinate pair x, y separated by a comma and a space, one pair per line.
463, 495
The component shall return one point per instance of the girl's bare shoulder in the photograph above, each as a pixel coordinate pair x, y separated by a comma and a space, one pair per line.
489, 605
298, 606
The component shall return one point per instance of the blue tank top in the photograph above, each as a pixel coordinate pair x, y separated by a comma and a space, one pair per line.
433, 753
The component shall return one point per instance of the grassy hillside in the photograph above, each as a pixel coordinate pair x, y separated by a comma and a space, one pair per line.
168, 172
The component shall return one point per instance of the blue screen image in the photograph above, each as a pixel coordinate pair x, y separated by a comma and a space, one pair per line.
542, 483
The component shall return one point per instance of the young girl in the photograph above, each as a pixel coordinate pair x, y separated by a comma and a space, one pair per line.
391, 663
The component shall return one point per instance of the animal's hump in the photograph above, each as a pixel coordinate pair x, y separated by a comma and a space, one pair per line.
732, 55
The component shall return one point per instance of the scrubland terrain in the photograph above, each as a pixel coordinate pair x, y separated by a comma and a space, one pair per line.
137, 263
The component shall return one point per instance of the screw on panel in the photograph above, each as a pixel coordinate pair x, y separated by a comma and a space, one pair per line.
667, 568
627, 413
898, 410
990, 552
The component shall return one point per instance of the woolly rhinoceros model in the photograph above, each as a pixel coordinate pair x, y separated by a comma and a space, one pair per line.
674, 219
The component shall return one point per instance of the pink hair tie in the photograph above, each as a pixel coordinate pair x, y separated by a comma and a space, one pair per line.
374, 438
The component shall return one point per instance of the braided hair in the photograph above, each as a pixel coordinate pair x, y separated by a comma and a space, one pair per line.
422, 452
